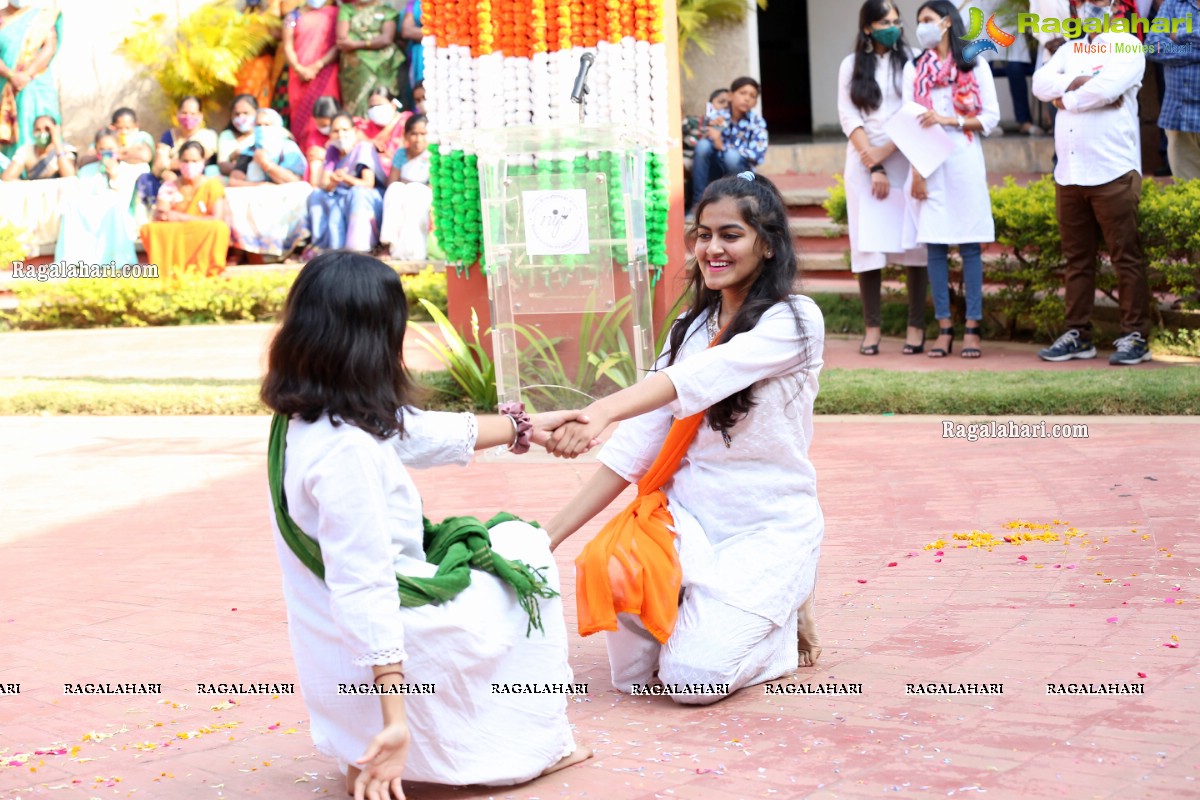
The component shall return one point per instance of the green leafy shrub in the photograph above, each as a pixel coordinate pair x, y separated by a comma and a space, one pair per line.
467, 362
189, 300
835, 204
12, 243
1170, 229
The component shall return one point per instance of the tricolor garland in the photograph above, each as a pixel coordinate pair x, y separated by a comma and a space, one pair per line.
493, 63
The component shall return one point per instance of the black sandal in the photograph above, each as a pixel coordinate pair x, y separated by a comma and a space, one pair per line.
972, 352
869, 349
914, 349
938, 352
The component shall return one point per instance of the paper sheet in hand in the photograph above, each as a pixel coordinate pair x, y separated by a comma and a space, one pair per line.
880, 222
925, 148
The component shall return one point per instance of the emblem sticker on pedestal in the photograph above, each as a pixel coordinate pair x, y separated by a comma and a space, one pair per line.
556, 222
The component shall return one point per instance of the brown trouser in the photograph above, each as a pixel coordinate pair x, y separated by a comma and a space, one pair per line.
1084, 213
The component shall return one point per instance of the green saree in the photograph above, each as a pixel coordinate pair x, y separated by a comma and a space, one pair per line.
360, 71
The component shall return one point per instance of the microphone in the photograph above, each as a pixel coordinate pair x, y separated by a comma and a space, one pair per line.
585, 63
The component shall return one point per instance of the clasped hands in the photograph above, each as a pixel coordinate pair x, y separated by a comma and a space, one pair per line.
1080, 81
567, 434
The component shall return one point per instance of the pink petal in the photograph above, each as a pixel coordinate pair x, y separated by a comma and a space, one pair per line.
940, 553
1141, 674
893, 564
1169, 601
1111, 619
1022, 558
937, 561
1172, 645
860, 580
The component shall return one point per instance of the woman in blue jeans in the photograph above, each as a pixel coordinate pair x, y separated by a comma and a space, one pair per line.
732, 140
951, 206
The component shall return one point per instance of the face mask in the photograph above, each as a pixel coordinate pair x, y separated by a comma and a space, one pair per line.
1089, 11
316, 3
270, 139
929, 35
887, 36
191, 169
324, 129
41, 139
243, 122
346, 141
189, 121
108, 155
381, 115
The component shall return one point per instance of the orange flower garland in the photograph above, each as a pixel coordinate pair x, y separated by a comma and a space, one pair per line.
627, 19
486, 32
520, 28
563, 15
612, 22
537, 27
641, 21
657, 15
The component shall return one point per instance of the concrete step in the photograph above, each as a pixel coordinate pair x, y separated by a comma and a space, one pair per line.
1011, 153
815, 227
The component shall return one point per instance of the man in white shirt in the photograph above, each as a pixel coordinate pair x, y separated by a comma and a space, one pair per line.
1094, 83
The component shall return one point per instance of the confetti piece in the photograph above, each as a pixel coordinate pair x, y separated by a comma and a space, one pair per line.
894, 564
1022, 558
1111, 619
1174, 638
1172, 645
1141, 674
862, 580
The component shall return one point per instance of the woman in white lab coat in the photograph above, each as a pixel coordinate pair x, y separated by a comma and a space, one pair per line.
952, 205
869, 92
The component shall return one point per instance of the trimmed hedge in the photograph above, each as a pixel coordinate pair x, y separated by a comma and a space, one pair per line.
190, 300
1032, 272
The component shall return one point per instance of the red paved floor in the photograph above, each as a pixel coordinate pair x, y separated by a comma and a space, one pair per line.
143, 554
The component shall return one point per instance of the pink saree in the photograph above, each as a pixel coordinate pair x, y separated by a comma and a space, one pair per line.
315, 31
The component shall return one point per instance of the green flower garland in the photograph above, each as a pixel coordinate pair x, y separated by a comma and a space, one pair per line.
458, 214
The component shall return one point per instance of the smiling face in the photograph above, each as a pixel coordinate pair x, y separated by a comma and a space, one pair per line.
727, 250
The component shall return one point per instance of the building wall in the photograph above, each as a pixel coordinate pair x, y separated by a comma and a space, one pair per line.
94, 79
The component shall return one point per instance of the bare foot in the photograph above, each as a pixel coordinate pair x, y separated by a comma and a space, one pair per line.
809, 643
580, 755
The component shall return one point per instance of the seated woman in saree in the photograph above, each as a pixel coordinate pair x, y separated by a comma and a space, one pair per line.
267, 194
380, 599
167, 156
705, 589
310, 44
189, 232
318, 137
345, 211
408, 200
366, 40
30, 34
239, 135
46, 156
134, 146
97, 224
384, 124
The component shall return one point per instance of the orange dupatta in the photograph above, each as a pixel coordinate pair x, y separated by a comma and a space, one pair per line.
631, 566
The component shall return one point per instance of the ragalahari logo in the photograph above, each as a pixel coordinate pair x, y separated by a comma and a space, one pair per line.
996, 36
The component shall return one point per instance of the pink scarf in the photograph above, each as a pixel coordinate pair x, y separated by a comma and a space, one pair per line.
932, 73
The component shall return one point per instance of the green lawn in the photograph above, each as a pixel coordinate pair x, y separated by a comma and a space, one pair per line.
1159, 392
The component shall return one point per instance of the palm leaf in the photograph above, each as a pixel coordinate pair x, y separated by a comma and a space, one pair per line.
693, 18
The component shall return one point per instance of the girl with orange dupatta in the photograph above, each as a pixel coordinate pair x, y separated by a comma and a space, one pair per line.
705, 582
29, 37
189, 231
310, 42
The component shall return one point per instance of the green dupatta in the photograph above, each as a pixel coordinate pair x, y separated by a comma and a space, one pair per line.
457, 545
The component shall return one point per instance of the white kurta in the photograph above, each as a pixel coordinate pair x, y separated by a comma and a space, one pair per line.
959, 207
858, 178
747, 519
352, 492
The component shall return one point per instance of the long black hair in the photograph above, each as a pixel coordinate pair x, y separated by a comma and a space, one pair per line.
944, 8
865, 91
762, 208
339, 346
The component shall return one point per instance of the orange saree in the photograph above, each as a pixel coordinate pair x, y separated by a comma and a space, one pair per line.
199, 245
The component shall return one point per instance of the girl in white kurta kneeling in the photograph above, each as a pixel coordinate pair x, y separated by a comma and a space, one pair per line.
739, 488
952, 205
369, 616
